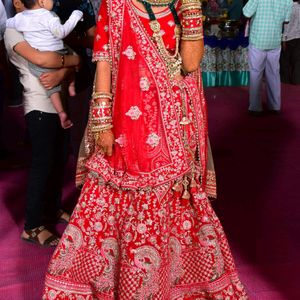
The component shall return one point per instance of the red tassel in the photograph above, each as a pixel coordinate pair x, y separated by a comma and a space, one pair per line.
184, 202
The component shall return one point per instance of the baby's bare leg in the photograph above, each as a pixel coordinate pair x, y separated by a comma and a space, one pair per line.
64, 120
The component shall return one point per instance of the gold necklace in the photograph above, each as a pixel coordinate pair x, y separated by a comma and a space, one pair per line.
173, 62
157, 2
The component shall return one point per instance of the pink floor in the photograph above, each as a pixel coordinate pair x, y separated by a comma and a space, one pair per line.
258, 166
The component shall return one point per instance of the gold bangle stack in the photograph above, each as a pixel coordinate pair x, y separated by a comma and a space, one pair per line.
190, 5
101, 112
191, 20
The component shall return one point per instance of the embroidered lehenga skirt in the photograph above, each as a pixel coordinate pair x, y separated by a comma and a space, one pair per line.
162, 243
144, 227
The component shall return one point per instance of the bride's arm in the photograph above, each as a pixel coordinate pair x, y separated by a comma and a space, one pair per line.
104, 139
192, 45
103, 77
192, 53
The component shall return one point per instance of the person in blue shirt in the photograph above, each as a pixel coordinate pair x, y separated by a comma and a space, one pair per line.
267, 18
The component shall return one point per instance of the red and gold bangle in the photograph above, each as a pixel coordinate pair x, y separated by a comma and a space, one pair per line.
100, 112
192, 25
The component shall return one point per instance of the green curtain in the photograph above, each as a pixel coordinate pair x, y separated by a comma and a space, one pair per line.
225, 78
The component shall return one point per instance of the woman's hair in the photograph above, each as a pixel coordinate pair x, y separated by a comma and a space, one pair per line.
28, 3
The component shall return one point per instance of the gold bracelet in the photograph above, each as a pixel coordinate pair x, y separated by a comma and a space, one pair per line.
191, 1
195, 37
62, 61
102, 95
101, 120
102, 105
102, 128
190, 7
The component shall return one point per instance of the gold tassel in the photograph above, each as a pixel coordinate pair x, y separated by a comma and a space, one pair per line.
193, 182
177, 187
186, 194
185, 121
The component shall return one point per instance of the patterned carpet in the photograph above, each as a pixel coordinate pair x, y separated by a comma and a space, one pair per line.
258, 169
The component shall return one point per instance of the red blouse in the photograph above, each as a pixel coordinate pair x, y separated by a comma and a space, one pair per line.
165, 19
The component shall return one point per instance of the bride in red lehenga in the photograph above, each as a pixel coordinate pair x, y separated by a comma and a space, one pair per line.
143, 227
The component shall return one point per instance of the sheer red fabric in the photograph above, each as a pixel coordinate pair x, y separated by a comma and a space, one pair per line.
148, 149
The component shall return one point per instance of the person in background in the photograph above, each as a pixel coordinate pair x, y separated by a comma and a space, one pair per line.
3, 70
80, 40
43, 30
3, 18
82, 37
96, 5
290, 54
235, 9
43, 204
267, 18
13, 88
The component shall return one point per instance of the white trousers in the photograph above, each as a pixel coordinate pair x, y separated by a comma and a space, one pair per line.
264, 62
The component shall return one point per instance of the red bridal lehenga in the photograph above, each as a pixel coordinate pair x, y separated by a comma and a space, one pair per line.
143, 227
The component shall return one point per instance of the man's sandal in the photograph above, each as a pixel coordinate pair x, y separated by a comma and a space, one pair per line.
51, 241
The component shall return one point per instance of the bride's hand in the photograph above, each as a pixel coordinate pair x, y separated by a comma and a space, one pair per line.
105, 141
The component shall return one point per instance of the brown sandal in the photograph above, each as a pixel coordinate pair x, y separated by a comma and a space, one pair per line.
33, 237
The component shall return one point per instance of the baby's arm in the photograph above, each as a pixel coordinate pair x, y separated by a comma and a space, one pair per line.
62, 30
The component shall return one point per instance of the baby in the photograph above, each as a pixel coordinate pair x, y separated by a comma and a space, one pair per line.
43, 30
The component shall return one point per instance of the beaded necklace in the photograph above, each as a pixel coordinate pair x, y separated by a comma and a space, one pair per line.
173, 62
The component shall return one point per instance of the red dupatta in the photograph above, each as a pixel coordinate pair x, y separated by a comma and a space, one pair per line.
148, 150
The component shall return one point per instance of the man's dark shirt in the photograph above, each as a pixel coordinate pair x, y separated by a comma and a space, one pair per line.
64, 8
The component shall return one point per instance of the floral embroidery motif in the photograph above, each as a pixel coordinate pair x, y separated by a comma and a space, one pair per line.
121, 140
153, 140
162, 32
98, 37
129, 52
144, 84
134, 113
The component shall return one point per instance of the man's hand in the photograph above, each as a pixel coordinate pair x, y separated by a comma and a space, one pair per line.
105, 141
54, 78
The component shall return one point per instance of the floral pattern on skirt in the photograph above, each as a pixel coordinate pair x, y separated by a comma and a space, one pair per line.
145, 244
